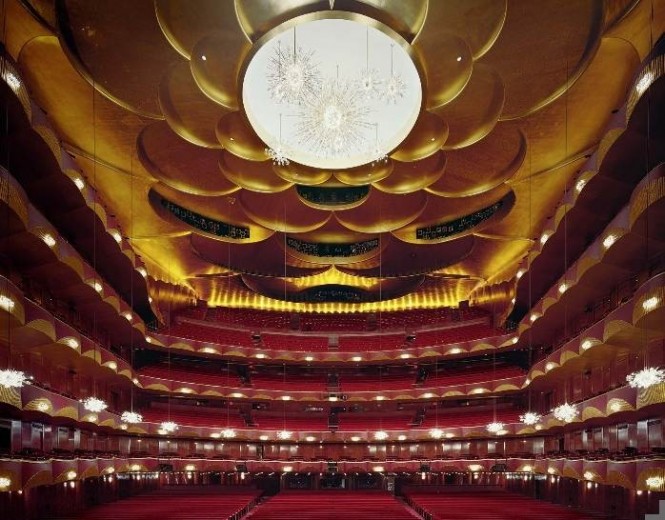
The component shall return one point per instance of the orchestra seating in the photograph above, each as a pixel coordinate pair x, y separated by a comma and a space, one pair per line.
177, 503
489, 505
294, 342
371, 342
332, 504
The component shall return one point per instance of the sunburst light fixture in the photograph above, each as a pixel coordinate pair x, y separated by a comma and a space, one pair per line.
566, 412
131, 417
10, 378
495, 427
94, 404
284, 435
530, 418
380, 435
646, 378
168, 426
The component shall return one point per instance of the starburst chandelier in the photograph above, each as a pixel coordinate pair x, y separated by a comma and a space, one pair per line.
380, 435
369, 84
14, 378
228, 433
278, 155
495, 427
293, 74
530, 418
436, 433
168, 426
333, 121
646, 378
94, 404
131, 417
284, 435
566, 412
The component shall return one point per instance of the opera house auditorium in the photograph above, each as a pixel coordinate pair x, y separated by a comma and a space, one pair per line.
332, 259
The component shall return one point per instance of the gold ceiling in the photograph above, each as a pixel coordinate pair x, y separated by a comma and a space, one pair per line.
158, 130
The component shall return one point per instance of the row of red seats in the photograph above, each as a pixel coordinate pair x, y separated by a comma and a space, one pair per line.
210, 334
489, 505
195, 417
332, 504
294, 342
454, 335
177, 503
471, 375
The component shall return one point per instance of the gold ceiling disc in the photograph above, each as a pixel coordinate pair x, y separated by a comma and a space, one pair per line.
427, 137
301, 174
189, 113
251, 175
180, 164
365, 174
473, 114
408, 177
183, 26
237, 137
101, 40
215, 63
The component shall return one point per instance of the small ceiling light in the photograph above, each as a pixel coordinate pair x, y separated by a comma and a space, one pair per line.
551, 471
428, 395
263, 437
478, 391
6, 303
436, 433
650, 303
13, 378
380, 435
405, 356
94, 404
71, 475
208, 350
185, 390
5, 483
97, 286
203, 57
284, 434
533, 317
228, 433
475, 467
494, 427
310, 438
168, 426
378, 469
646, 378
236, 395
142, 271
513, 300
287, 469
459, 58
401, 438
520, 273
579, 185
131, 417
116, 235
455, 350
286, 398
215, 435
587, 344
644, 82
544, 238
550, 366
449, 435
332, 398
563, 287
356, 358
79, 183
112, 365
260, 356
148, 339
566, 412
380, 397
530, 418
48, 239
12, 80
588, 475
355, 438
43, 406
127, 315
135, 467
309, 358
527, 468
608, 241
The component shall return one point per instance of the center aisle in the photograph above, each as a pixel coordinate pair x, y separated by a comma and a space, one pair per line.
332, 505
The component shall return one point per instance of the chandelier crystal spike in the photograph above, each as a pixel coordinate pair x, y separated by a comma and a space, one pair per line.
131, 417
10, 378
94, 404
530, 418
566, 412
646, 378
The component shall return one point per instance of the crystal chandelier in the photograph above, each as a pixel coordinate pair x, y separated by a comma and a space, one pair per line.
380, 435
494, 427
284, 435
278, 155
228, 433
94, 404
168, 426
530, 418
14, 378
369, 84
646, 378
293, 74
565, 412
130, 417
436, 433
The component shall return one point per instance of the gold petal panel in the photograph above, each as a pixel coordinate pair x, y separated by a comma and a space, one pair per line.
189, 113
257, 17
427, 137
180, 164
554, 58
107, 52
408, 177
484, 165
282, 211
215, 64
239, 138
183, 26
251, 175
383, 212
473, 114
366, 174
301, 174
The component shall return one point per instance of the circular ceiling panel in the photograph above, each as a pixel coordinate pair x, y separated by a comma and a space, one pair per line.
331, 102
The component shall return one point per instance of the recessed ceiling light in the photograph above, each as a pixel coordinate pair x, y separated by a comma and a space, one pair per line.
48, 239
79, 183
